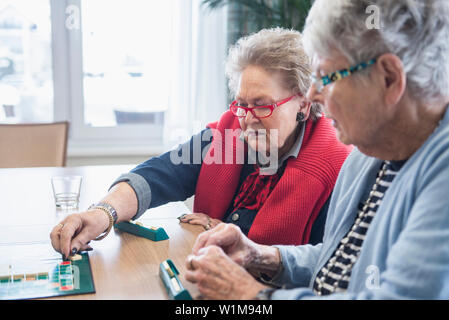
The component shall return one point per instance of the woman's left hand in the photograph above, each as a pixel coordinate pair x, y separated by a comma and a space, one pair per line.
201, 219
218, 277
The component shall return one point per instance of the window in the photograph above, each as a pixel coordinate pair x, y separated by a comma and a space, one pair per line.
118, 85
26, 81
126, 74
125, 79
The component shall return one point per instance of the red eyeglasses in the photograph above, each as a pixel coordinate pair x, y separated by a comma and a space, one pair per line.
259, 112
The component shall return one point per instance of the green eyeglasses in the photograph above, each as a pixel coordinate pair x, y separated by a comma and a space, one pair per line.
321, 82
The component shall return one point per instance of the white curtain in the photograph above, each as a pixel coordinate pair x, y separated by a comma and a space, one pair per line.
198, 92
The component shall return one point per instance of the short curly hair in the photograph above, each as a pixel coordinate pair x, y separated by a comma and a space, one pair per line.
274, 49
417, 31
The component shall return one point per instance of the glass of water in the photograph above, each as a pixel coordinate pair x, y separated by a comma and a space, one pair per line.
66, 190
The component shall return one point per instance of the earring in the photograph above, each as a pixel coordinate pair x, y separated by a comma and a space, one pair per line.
300, 117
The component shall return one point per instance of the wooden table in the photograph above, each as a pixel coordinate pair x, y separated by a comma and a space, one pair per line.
124, 266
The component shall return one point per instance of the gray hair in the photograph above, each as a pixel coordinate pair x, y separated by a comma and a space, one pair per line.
417, 31
273, 49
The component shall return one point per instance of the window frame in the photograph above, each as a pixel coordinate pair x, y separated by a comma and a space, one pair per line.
67, 51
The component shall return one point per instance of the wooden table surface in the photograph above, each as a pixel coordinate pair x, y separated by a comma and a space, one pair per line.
124, 266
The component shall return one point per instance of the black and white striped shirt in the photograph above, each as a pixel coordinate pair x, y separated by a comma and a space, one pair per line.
335, 275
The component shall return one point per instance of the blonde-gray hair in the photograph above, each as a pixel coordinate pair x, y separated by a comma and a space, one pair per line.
273, 49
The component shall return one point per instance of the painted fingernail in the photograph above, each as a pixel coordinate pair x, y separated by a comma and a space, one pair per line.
181, 217
74, 251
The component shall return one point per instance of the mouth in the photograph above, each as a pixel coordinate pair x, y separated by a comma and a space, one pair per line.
255, 133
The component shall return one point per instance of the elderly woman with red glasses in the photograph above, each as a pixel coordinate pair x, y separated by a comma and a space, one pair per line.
277, 192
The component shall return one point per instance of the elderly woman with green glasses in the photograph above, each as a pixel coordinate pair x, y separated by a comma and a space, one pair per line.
269, 166
387, 231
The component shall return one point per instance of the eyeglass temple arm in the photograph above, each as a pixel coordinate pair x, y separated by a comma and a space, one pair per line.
299, 94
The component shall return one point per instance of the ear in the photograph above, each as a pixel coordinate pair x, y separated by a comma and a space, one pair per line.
304, 107
393, 78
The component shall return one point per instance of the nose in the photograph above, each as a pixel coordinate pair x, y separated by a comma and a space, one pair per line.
250, 117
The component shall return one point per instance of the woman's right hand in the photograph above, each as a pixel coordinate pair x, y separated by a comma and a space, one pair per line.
231, 240
74, 233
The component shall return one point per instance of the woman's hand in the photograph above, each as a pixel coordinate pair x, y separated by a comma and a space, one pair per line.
200, 219
74, 233
254, 257
231, 240
218, 277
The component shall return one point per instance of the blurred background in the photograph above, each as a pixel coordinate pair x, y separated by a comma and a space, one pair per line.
134, 78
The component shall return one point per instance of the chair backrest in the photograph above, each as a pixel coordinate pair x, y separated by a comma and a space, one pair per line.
33, 145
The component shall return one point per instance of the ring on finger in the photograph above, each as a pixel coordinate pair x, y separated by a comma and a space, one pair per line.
190, 262
58, 231
60, 225
208, 225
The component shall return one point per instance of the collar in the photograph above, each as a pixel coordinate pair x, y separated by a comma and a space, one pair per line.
294, 150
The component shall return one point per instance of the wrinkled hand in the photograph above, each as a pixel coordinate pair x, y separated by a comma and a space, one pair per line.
74, 233
218, 277
231, 240
200, 219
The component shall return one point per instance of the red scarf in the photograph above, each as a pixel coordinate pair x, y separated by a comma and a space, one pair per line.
255, 190
288, 212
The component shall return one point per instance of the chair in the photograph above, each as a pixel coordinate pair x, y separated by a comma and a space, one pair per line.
33, 145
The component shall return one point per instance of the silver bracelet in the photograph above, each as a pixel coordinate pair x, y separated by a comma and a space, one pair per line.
108, 207
112, 215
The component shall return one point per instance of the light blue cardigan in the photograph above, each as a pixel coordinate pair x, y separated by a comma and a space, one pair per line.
405, 254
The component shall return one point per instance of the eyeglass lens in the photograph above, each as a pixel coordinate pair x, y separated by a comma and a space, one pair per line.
258, 112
